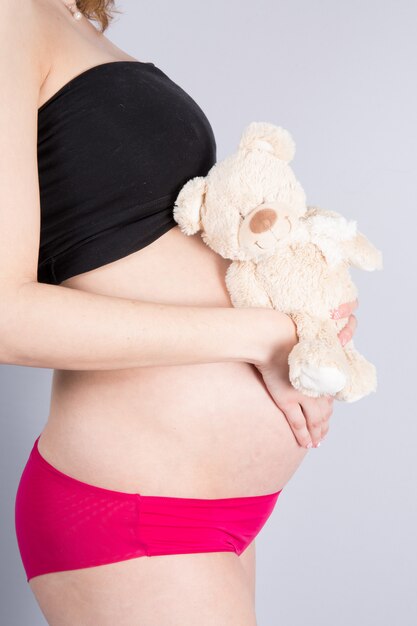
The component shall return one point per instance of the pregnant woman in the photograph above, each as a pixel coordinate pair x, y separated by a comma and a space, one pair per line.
172, 426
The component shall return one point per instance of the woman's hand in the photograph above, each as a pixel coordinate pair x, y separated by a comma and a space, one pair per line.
308, 417
345, 310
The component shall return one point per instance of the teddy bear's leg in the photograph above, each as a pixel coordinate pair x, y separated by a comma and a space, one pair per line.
317, 363
362, 379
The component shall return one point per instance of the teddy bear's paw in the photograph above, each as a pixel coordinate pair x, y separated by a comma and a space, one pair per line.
312, 370
320, 380
315, 372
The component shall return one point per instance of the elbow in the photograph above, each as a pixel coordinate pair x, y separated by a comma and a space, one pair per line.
5, 357
8, 352
10, 329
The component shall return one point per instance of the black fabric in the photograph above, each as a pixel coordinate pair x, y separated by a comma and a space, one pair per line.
115, 146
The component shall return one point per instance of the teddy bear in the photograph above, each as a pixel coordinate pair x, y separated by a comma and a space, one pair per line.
284, 254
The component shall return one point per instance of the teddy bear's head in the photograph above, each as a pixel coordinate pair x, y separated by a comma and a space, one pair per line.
248, 202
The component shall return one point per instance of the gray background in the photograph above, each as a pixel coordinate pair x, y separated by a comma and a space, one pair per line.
339, 547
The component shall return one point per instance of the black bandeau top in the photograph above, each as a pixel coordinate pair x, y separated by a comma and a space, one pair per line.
115, 145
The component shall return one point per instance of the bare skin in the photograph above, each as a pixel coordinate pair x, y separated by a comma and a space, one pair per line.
206, 429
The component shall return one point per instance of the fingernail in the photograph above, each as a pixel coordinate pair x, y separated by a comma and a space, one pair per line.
317, 445
309, 445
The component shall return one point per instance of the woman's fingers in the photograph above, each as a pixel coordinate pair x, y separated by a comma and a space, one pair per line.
314, 419
309, 421
325, 425
317, 413
325, 428
297, 422
347, 331
344, 310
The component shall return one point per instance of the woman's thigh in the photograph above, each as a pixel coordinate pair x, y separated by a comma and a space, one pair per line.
211, 589
248, 562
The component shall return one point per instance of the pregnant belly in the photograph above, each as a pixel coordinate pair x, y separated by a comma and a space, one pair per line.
201, 430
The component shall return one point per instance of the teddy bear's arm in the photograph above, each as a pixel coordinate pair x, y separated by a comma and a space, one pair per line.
244, 287
362, 253
329, 224
339, 239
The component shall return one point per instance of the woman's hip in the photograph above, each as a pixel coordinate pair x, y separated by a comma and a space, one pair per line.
63, 523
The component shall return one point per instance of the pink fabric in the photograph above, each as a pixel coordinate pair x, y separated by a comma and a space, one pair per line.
63, 523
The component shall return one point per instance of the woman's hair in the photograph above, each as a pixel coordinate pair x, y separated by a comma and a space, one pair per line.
98, 10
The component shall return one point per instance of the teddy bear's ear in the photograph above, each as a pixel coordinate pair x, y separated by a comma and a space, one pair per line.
269, 137
188, 205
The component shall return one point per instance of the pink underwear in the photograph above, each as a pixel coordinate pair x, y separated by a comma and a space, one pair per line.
63, 523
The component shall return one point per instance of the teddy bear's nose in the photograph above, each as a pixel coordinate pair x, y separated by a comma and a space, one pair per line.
262, 220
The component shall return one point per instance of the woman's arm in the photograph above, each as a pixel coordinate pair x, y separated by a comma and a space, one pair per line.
58, 327
52, 326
